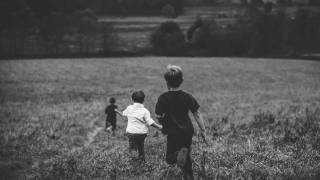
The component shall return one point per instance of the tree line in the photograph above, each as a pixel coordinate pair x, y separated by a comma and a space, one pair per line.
258, 32
71, 28
34, 28
68, 27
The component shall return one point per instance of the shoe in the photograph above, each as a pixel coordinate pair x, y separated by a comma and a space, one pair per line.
182, 157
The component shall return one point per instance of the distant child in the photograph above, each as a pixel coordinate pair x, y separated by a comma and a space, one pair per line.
111, 120
172, 110
138, 120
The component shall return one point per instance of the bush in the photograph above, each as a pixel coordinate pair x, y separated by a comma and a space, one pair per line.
218, 41
168, 11
168, 39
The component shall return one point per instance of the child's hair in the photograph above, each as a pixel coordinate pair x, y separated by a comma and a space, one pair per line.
138, 96
173, 76
112, 100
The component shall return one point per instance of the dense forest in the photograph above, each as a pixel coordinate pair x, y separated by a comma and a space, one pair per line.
59, 28
67, 27
52, 28
266, 31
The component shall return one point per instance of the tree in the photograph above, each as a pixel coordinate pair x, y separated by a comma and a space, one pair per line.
53, 29
268, 6
17, 22
168, 11
314, 2
256, 2
108, 37
86, 25
244, 2
168, 39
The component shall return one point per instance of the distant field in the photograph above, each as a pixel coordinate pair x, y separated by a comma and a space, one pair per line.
51, 115
134, 32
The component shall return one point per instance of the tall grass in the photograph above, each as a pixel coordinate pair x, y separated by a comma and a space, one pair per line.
262, 118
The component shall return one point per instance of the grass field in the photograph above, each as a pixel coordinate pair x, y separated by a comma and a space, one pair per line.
262, 116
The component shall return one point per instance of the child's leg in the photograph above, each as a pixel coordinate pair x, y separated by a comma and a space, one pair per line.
172, 149
187, 169
114, 124
175, 145
107, 124
140, 143
132, 144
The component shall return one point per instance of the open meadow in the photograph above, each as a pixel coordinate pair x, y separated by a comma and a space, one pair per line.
262, 118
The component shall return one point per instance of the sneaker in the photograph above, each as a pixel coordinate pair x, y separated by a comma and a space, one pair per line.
182, 157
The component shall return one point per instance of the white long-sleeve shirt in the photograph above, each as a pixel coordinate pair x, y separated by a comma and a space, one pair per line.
138, 119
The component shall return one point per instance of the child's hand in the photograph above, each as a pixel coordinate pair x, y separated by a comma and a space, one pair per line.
159, 116
117, 111
158, 126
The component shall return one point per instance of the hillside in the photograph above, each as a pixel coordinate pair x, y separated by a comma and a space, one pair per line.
262, 116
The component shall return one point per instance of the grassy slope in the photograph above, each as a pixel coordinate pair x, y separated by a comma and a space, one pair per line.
49, 106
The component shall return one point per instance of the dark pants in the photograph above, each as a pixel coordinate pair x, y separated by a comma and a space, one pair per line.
111, 122
174, 143
136, 142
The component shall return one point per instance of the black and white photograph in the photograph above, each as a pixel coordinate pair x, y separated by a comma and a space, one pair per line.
160, 89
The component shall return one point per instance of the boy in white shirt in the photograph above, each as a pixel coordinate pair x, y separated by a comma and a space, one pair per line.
138, 121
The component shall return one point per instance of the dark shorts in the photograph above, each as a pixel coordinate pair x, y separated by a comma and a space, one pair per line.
111, 122
174, 143
136, 142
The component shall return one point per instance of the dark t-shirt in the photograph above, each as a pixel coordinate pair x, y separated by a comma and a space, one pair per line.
175, 105
111, 114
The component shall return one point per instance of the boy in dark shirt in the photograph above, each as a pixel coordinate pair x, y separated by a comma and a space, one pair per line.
172, 111
111, 120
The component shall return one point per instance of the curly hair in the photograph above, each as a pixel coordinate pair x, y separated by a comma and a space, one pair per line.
138, 96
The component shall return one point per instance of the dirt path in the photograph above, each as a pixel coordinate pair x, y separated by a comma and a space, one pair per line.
91, 135
90, 139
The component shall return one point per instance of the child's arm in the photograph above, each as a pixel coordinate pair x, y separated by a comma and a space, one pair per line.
150, 121
119, 112
158, 126
199, 119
